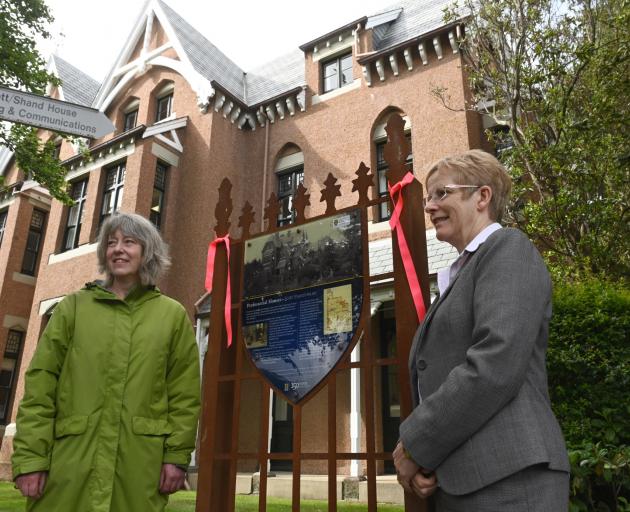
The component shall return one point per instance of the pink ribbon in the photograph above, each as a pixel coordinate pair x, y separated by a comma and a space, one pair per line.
394, 222
212, 249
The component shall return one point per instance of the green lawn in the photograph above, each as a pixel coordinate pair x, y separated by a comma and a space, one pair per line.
12, 501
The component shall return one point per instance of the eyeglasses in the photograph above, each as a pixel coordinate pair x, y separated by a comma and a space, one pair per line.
440, 193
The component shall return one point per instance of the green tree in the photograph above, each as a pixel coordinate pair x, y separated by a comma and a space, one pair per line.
557, 73
22, 67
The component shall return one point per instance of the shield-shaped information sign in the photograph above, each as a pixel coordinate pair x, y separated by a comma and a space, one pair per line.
302, 300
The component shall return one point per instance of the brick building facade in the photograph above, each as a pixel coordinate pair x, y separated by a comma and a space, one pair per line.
186, 116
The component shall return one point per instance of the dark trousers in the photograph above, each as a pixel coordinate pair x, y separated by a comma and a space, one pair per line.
534, 489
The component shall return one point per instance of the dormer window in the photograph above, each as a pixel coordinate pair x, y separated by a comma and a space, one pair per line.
337, 72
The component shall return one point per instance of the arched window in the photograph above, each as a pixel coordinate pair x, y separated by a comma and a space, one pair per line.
164, 101
379, 139
130, 114
289, 171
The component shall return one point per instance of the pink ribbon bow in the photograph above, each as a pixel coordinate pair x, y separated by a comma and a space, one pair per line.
212, 249
394, 222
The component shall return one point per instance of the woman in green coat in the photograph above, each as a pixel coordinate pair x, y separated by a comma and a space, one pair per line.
109, 415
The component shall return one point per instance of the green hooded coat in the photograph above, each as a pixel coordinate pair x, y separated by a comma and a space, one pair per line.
112, 393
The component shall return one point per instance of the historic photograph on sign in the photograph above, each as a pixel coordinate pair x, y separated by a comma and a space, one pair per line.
312, 254
255, 335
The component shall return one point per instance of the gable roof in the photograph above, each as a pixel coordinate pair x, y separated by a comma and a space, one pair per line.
392, 26
76, 86
206, 58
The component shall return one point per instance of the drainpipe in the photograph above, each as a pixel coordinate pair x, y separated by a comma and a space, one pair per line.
265, 170
357, 49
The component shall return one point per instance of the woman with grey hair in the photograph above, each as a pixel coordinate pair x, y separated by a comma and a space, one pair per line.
482, 436
109, 415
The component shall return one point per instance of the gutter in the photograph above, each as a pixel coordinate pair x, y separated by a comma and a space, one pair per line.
94, 149
307, 46
401, 46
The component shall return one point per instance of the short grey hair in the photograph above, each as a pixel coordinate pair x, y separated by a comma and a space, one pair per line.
477, 167
155, 258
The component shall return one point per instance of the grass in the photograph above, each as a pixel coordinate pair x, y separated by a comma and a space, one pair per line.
12, 501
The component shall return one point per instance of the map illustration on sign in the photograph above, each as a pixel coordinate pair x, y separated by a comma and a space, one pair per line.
302, 300
338, 309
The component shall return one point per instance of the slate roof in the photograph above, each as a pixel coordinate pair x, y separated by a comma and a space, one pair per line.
439, 255
418, 17
206, 58
287, 72
280, 75
76, 85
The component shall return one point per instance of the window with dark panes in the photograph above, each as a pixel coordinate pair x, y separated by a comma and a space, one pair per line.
159, 189
57, 151
381, 170
3, 223
33, 242
113, 191
164, 107
78, 193
8, 373
131, 118
288, 183
337, 72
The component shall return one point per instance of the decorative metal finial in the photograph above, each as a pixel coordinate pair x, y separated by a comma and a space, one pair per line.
362, 183
330, 193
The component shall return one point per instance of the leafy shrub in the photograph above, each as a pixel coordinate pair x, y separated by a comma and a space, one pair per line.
600, 478
589, 384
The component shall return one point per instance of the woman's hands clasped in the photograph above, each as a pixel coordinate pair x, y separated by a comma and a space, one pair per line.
412, 477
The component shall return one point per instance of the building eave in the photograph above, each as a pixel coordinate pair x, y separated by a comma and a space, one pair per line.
138, 130
289, 92
352, 25
372, 57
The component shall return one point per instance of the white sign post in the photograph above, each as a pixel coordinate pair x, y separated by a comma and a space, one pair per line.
60, 116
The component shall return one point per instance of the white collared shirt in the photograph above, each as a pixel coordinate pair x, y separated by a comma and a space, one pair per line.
446, 275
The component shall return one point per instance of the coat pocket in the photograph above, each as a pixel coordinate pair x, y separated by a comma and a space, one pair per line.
150, 426
70, 426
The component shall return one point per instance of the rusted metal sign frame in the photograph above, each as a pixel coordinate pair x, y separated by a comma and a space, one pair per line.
223, 367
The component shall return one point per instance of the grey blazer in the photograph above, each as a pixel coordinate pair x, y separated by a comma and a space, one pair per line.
477, 366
